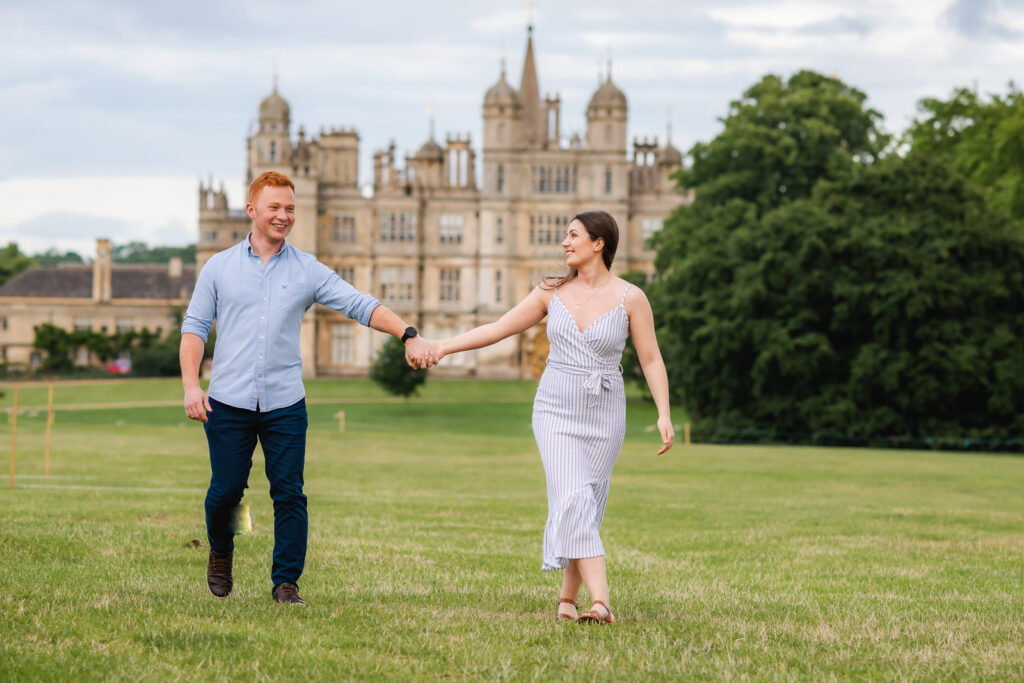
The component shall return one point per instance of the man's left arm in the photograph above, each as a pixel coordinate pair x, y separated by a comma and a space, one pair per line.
335, 293
417, 350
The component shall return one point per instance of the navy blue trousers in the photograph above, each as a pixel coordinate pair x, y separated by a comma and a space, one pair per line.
232, 434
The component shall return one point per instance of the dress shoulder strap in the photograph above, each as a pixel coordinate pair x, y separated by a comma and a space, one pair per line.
624, 293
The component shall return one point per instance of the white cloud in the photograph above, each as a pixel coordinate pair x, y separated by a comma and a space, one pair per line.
784, 15
618, 39
503, 22
71, 213
39, 93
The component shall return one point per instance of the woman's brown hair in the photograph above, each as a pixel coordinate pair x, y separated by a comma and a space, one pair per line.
598, 224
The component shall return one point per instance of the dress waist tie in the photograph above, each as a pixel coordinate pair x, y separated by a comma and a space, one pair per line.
597, 378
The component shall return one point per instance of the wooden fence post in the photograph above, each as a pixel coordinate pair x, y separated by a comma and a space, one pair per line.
14, 433
49, 427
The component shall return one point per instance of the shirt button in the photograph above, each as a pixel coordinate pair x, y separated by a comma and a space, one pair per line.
261, 357
261, 336
263, 317
264, 298
255, 394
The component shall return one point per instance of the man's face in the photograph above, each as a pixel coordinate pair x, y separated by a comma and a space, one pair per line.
273, 213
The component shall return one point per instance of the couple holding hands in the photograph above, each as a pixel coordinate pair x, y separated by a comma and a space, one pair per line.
258, 291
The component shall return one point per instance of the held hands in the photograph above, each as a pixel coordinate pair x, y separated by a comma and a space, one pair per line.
197, 404
668, 434
420, 353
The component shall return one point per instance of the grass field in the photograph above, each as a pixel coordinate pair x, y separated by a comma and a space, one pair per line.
425, 527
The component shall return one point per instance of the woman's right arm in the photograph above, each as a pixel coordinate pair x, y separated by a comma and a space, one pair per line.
525, 315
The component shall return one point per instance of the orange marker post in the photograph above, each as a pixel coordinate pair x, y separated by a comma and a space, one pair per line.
686, 434
14, 433
341, 420
49, 427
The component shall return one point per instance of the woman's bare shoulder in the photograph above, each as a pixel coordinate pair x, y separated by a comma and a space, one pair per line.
636, 299
543, 293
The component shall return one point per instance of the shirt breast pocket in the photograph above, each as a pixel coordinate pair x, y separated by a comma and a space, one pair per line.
291, 296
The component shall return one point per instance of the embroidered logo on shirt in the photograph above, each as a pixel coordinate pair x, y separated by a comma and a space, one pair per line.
284, 286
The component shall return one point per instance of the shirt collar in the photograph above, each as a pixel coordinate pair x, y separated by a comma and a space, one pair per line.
246, 246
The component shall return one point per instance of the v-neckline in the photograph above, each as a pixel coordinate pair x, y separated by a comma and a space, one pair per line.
573, 318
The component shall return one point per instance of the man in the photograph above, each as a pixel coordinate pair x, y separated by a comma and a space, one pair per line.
258, 291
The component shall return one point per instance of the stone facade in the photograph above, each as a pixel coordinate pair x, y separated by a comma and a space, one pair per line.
442, 251
102, 297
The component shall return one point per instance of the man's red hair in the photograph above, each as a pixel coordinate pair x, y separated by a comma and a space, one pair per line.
268, 179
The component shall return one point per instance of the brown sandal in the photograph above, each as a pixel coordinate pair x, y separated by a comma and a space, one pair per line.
597, 616
560, 616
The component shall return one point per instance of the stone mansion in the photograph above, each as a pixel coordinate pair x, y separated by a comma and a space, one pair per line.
443, 251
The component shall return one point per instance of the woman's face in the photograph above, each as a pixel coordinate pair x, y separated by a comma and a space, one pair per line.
578, 247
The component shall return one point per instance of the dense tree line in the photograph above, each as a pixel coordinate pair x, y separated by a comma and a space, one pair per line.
831, 284
151, 354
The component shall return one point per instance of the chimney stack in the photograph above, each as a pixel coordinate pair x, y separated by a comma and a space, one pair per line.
174, 267
101, 289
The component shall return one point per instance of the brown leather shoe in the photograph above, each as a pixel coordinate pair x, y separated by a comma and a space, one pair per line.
288, 593
218, 573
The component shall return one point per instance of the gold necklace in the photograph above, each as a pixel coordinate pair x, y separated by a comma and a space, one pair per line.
576, 307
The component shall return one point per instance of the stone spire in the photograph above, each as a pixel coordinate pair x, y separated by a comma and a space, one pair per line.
534, 125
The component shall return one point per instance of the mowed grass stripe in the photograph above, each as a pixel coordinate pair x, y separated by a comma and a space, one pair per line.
425, 524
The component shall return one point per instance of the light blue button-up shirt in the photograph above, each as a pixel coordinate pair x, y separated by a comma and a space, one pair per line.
259, 308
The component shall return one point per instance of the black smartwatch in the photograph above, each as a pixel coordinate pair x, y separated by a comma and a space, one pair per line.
410, 332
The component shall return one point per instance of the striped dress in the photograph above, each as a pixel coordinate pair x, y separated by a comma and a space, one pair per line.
579, 421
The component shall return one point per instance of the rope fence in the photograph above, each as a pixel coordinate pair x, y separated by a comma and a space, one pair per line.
693, 433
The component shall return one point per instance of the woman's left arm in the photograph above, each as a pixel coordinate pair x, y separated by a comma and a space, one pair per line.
641, 329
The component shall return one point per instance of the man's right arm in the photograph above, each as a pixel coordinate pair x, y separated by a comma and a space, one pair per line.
195, 329
191, 357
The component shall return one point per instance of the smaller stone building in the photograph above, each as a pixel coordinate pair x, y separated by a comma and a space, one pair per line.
103, 297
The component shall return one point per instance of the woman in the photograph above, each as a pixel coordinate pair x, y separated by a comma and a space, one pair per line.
579, 414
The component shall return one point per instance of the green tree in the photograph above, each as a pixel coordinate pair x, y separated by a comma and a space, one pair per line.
983, 139
151, 355
392, 372
140, 252
885, 305
12, 262
52, 257
57, 344
157, 357
780, 138
879, 301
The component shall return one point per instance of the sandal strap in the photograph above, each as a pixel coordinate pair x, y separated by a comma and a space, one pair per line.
568, 601
594, 613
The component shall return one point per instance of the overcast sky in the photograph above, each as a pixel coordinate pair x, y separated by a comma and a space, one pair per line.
112, 111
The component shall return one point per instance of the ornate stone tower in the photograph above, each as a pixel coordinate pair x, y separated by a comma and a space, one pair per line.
606, 118
502, 113
270, 147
